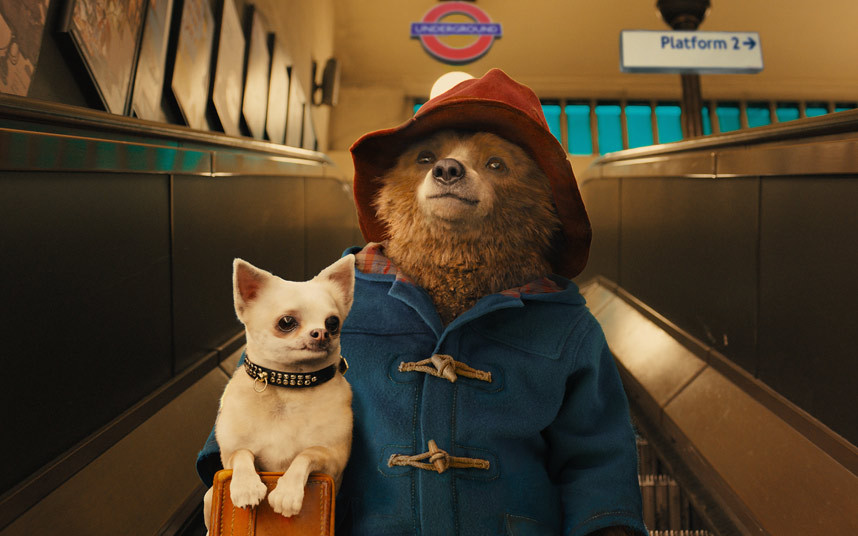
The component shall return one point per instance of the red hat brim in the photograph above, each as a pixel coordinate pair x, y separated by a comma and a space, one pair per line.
494, 103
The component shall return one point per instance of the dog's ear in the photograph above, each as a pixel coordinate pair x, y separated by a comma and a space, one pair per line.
340, 276
247, 281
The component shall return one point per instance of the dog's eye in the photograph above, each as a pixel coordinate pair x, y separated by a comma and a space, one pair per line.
425, 157
496, 164
287, 324
332, 324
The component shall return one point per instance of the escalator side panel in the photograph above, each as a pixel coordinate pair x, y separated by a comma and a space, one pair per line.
135, 486
767, 475
808, 294
689, 250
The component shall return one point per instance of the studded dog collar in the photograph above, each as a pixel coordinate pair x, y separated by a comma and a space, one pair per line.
292, 380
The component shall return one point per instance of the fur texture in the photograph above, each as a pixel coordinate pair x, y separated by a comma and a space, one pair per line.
290, 327
488, 230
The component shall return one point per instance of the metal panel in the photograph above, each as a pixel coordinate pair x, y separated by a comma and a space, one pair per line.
36, 151
689, 250
602, 199
260, 219
830, 125
808, 291
330, 218
114, 126
225, 163
700, 165
790, 485
79, 132
661, 365
86, 281
831, 157
597, 296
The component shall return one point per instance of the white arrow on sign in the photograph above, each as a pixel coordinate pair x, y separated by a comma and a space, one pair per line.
647, 51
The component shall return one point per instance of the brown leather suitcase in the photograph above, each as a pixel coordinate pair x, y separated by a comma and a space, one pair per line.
316, 516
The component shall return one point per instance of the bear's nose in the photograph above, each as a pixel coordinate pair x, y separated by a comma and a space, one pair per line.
448, 170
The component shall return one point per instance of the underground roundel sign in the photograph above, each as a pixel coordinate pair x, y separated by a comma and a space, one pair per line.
432, 27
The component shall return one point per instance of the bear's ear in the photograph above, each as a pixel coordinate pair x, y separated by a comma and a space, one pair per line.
340, 277
247, 282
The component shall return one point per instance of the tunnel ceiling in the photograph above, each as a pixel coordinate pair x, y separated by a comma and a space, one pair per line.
560, 48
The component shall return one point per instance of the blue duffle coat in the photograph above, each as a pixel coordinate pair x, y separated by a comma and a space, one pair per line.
549, 436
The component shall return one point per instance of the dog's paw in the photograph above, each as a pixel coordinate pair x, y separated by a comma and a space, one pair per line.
247, 492
286, 499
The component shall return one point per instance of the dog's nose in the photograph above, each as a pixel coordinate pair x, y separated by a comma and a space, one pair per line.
320, 335
448, 170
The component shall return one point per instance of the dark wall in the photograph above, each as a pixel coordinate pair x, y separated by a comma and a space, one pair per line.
86, 314
602, 199
689, 250
808, 341
260, 219
759, 268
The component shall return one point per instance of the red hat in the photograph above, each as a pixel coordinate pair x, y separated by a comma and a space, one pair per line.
494, 103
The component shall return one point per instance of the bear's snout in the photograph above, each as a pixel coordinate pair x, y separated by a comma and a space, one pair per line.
448, 171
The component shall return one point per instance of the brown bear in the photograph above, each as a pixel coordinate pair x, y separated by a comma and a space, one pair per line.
486, 400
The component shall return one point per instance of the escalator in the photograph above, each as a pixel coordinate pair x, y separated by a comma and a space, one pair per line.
722, 272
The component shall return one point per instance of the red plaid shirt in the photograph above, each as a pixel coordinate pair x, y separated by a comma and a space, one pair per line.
371, 260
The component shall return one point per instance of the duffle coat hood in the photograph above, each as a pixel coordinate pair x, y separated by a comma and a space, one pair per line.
535, 440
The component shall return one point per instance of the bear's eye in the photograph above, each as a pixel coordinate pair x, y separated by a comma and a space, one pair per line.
332, 324
425, 157
496, 164
287, 324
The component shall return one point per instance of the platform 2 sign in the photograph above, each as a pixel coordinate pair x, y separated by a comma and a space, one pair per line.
647, 51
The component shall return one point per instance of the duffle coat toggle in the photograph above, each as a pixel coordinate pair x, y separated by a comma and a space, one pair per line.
439, 460
444, 366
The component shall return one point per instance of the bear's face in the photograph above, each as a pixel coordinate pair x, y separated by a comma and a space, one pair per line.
462, 181
467, 215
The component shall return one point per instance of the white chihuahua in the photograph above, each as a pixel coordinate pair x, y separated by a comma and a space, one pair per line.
289, 407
